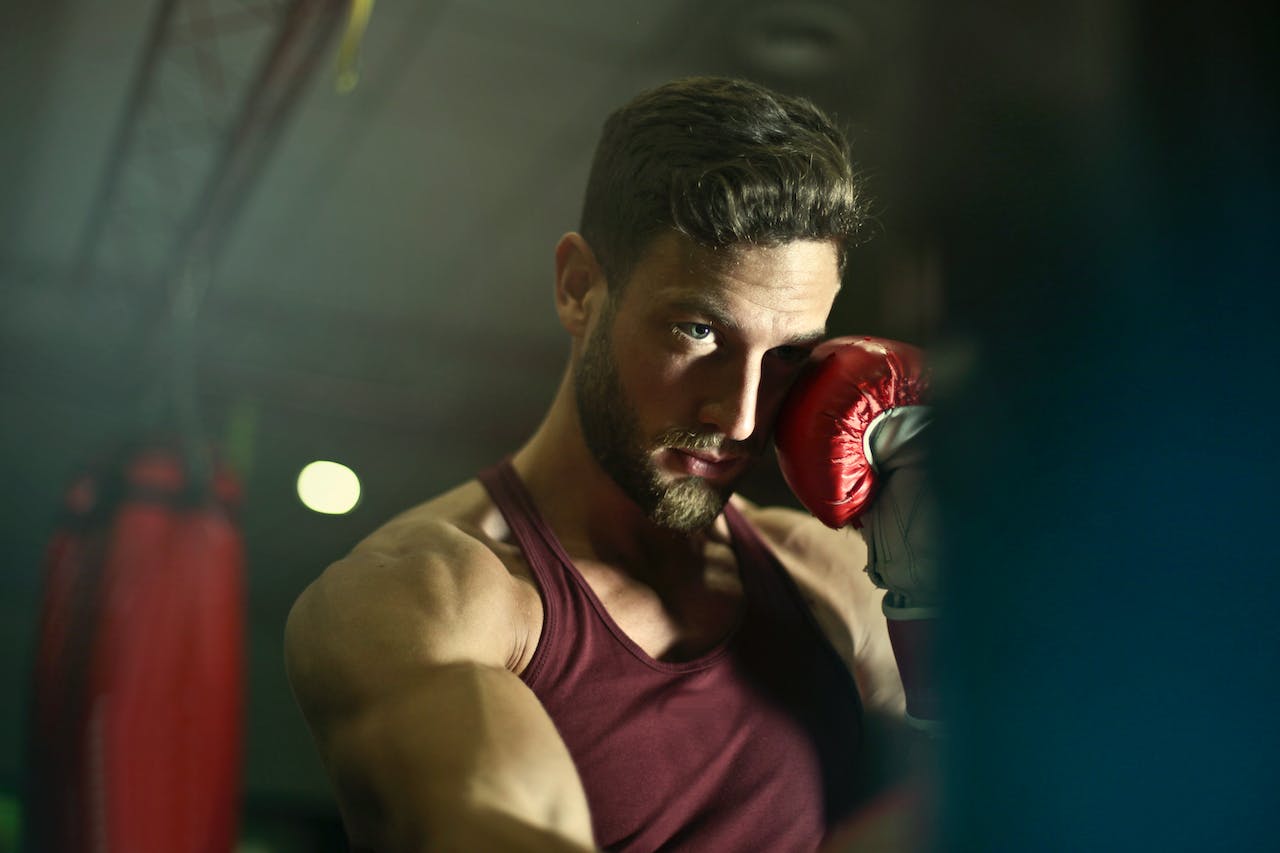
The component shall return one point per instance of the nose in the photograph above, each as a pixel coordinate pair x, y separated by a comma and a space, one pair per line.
731, 406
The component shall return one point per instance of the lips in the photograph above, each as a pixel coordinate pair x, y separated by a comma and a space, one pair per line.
708, 465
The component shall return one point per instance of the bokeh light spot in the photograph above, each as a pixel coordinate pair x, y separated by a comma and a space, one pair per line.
328, 487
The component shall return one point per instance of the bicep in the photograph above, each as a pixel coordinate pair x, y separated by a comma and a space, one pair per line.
374, 618
465, 751
399, 667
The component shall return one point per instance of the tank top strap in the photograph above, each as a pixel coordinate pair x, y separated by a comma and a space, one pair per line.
769, 586
753, 746
536, 543
763, 577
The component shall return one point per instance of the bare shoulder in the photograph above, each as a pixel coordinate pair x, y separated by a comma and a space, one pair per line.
433, 586
797, 537
403, 658
828, 565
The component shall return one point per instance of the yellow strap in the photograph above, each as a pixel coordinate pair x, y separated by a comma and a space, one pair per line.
349, 51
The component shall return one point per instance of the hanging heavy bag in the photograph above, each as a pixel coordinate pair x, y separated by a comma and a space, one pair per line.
137, 704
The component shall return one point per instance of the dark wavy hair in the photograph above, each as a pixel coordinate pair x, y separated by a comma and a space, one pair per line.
722, 162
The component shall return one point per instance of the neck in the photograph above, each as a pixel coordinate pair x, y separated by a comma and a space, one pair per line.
590, 514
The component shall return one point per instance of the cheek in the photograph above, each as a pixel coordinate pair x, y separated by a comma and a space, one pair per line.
657, 385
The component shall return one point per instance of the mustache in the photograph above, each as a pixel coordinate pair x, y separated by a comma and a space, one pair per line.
683, 439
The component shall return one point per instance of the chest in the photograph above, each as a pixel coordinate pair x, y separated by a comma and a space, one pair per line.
672, 612
751, 745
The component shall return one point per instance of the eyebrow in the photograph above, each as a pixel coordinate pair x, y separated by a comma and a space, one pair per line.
716, 310
708, 306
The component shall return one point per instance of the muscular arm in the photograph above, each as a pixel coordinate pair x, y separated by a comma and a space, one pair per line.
828, 566
400, 658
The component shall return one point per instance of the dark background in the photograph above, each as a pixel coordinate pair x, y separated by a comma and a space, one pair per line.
1075, 210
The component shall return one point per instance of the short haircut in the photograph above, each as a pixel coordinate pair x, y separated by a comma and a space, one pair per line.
723, 162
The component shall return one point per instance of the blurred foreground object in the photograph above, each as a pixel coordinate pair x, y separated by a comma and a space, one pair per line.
1106, 192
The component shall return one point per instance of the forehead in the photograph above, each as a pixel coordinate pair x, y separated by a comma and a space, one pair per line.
797, 279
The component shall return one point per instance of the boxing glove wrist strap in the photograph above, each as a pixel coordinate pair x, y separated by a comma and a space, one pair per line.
911, 633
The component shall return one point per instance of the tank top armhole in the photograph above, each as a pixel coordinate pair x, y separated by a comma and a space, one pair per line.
511, 500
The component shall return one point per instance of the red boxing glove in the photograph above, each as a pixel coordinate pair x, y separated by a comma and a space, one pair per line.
846, 446
839, 429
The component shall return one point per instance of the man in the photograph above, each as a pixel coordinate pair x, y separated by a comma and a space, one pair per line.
597, 643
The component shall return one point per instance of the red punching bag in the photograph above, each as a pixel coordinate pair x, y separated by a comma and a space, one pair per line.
138, 689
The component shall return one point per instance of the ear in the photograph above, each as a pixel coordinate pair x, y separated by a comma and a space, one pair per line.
580, 283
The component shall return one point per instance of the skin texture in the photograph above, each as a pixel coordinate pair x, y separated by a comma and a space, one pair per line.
673, 284
405, 655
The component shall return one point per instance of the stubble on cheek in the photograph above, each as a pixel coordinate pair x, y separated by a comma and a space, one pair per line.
612, 431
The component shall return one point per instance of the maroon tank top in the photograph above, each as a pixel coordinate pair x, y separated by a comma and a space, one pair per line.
753, 746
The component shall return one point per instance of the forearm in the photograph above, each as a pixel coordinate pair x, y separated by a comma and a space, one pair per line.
894, 753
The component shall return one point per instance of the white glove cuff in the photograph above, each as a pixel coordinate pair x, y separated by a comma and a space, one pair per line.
890, 432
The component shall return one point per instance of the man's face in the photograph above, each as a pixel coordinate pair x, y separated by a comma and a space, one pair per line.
681, 376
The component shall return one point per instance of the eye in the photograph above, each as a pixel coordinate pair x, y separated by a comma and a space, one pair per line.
695, 331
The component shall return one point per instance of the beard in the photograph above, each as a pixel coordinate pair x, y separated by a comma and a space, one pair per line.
611, 427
